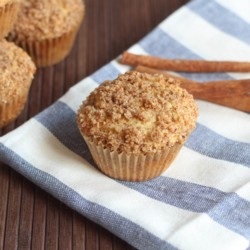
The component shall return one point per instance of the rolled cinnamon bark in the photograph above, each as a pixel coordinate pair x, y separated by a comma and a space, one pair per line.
215, 89
179, 65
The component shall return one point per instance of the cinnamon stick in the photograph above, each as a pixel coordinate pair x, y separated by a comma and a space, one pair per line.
180, 65
215, 89
229, 93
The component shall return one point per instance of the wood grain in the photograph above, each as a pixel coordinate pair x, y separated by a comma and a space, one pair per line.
31, 218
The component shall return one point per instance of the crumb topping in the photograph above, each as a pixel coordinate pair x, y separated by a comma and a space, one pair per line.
44, 19
16, 70
138, 113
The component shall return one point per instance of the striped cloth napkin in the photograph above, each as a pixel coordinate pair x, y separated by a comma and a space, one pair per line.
203, 200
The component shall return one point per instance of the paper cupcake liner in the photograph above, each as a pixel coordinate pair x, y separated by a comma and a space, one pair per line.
47, 52
11, 109
8, 16
132, 167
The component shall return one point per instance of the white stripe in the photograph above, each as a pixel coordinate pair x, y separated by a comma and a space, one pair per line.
193, 167
204, 39
120, 67
239, 7
156, 217
203, 239
230, 123
137, 49
74, 97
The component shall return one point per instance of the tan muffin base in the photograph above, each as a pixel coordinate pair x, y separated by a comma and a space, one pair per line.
131, 167
8, 16
10, 110
48, 51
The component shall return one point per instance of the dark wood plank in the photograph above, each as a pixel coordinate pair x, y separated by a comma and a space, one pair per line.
81, 50
59, 74
13, 212
47, 86
79, 236
92, 236
4, 192
35, 94
91, 20
105, 240
31, 218
70, 70
52, 224
26, 216
39, 220
7, 129
65, 228
118, 244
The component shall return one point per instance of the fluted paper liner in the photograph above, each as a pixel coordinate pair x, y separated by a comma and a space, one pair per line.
8, 16
130, 167
48, 51
11, 109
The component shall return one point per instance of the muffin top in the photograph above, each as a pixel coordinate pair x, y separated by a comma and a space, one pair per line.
44, 19
138, 113
16, 70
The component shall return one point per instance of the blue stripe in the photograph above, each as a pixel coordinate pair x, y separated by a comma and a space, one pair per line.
159, 43
206, 198
122, 227
222, 18
107, 72
209, 143
59, 115
228, 209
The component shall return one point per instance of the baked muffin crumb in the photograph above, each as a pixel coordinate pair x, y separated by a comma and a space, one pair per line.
16, 69
38, 20
138, 113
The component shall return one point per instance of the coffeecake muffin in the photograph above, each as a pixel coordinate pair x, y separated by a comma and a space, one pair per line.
46, 29
8, 15
135, 125
16, 74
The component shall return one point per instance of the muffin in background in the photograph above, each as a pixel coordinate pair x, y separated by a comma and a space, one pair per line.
16, 74
46, 29
135, 125
8, 15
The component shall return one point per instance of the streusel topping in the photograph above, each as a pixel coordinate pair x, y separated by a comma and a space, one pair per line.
41, 19
16, 69
138, 113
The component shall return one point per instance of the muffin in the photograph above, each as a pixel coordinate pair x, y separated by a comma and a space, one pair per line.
8, 15
16, 73
46, 29
135, 125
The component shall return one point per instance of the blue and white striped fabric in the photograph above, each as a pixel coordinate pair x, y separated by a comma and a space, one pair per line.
203, 200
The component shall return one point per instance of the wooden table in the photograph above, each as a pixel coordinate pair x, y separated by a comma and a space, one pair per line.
29, 217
